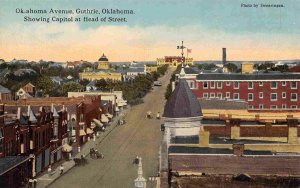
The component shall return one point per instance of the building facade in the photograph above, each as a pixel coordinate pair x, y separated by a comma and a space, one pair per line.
262, 91
174, 61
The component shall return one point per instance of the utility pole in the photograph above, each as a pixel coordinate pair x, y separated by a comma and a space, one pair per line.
182, 53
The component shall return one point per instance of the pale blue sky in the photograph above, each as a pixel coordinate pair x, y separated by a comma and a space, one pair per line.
224, 17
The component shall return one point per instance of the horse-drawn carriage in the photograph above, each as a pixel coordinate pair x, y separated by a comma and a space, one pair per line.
95, 154
80, 161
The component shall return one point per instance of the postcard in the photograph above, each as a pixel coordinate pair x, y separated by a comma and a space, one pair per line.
149, 93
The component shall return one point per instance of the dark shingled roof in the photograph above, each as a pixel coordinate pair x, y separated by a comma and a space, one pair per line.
9, 162
182, 103
239, 76
188, 70
103, 58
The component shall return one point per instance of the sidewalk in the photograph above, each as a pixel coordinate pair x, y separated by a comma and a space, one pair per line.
45, 180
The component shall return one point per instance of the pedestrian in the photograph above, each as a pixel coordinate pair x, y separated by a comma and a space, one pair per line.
61, 168
49, 170
34, 183
30, 181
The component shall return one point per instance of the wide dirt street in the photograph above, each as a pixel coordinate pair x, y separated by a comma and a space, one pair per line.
139, 136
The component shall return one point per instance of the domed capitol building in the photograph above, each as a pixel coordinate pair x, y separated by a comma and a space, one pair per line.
103, 71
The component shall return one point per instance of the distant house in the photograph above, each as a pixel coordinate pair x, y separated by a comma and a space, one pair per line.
72, 65
56, 80
5, 94
26, 92
22, 72
91, 86
22, 94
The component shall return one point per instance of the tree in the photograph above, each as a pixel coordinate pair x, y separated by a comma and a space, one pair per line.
45, 84
101, 84
231, 67
70, 87
207, 66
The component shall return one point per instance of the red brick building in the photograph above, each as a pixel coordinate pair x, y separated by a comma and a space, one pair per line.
262, 91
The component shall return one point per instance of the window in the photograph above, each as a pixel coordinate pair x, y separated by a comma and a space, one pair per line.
192, 85
283, 95
205, 85
227, 83
294, 85
250, 85
220, 95
261, 106
250, 106
273, 96
212, 95
274, 107
219, 85
283, 83
273, 85
283, 106
261, 95
212, 84
261, 84
236, 96
236, 85
250, 96
205, 95
294, 107
228, 95
294, 97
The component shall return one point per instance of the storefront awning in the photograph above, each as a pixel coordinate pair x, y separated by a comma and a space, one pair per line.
109, 115
82, 133
89, 131
98, 123
104, 119
67, 148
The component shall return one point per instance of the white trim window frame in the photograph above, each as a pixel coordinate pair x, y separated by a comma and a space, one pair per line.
261, 95
283, 95
271, 97
250, 85
274, 87
294, 98
228, 95
212, 84
236, 86
293, 87
205, 85
219, 86
250, 96
283, 83
236, 98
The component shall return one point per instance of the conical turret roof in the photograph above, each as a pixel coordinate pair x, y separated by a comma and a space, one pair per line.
182, 103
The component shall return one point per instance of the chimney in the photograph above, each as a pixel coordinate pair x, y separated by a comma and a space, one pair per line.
293, 131
234, 128
224, 56
247, 68
238, 149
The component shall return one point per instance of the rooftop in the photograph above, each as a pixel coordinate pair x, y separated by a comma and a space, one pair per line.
255, 76
9, 162
182, 103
